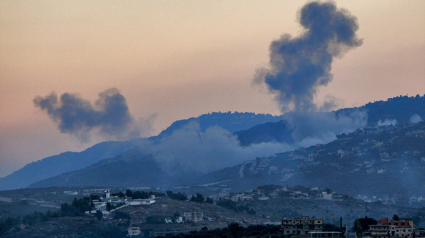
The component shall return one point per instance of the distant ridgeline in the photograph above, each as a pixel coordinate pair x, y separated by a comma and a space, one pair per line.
232, 122
71, 161
250, 128
400, 108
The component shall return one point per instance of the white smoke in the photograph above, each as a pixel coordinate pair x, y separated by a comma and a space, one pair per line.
387, 122
415, 119
191, 150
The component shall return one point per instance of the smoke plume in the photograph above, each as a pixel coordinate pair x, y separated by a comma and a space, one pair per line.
74, 115
415, 119
299, 65
323, 126
387, 122
193, 150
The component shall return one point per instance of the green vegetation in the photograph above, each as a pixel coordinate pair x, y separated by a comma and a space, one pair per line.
363, 224
231, 205
176, 196
198, 198
155, 220
9, 224
141, 194
268, 188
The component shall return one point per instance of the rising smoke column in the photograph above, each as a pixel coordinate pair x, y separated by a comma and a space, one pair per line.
299, 65
77, 116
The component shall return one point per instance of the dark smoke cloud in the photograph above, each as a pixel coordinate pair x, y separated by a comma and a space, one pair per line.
299, 65
109, 115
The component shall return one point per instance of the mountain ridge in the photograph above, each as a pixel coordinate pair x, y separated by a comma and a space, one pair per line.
65, 162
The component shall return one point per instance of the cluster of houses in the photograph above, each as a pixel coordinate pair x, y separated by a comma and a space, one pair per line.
393, 199
187, 216
386, 228
118, 202
289, 192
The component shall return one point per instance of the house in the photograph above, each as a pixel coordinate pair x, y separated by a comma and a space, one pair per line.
193, 216
179, 219
246, 197
263, 198
235, 198
420, 233
327, 196
301, 226
386, 228
137, 202
70, 192
134, 231
224, 194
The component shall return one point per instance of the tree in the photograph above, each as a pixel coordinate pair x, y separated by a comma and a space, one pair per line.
98, 215
197, 198
176, 214
235, 229
395, 217
357, 226
177, 196
108, 206
128, 193
364, 223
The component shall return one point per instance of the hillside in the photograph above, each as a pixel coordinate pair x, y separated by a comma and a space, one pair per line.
132, 168
151, 218
400, 108
232, 122
71, 161
387, 162
62, 163
269, 129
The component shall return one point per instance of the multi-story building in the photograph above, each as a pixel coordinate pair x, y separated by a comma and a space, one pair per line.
301, 226
401, 228
386, 228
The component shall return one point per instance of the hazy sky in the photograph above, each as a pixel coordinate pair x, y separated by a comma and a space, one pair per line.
178, 59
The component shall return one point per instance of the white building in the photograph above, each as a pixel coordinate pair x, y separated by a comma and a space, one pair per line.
134, 231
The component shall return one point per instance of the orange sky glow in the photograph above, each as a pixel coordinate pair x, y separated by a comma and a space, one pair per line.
178, 59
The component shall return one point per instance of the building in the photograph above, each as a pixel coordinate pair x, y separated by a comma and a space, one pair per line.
379, 230
193, 216
420, 233
301, 226
401, 228
386, 228
134, 231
